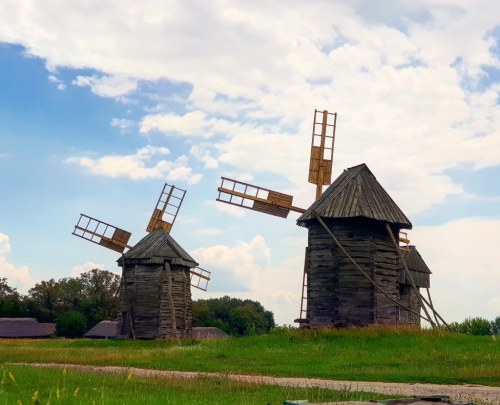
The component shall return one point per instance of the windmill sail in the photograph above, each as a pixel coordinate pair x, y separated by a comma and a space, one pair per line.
166, 208
102, 233
321, 160
256, 198
200, 278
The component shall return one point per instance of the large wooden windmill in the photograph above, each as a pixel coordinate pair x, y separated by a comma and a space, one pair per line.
157, 273
354, 280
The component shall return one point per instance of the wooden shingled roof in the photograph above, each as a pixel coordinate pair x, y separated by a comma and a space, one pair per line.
417, 267
155, 248
356, 193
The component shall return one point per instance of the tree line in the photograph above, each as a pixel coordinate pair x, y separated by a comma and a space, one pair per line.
76, 304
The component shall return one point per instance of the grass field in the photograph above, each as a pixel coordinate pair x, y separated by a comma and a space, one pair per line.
23, 385
370, 354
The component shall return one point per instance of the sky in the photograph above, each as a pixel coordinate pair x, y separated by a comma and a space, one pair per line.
102, 102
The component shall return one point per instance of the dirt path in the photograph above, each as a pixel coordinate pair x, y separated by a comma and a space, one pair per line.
460, 393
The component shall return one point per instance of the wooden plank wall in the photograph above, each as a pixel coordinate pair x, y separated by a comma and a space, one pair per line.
181, 295
144, 298
408, 298
337, 293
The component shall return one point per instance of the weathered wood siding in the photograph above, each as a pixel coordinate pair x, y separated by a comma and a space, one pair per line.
338, 294
408, 297
144, 302
183, 305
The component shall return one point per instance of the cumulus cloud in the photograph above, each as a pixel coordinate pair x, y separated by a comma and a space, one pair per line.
247, 271
107, 86
84, 268
145, 163
410, 84
59, 83
17, 276
462, 257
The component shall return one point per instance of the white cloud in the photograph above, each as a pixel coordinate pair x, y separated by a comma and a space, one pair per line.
17, 276
462, 255
403, 81
83, 268
60, 84
122, 123
107, 86
143, 164
247, 271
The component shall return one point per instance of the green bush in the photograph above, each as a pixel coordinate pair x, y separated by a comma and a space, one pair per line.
473, 326
495, 326
71, 324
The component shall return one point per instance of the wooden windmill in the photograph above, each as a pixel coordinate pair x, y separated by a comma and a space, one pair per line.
157, 273
353, 281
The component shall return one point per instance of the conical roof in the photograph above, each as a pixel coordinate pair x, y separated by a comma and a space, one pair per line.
155, 248
356, 193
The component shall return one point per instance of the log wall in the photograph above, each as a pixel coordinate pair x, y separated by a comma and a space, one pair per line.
408, 298
146, 313
338, 294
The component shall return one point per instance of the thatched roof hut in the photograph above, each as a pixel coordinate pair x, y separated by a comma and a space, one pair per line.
356, 209
103, 330
21, 328
156, 289
209, 333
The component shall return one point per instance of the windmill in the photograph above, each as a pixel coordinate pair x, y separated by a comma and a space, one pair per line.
157, 273
355, 280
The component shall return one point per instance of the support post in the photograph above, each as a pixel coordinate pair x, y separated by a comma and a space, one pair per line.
322, 223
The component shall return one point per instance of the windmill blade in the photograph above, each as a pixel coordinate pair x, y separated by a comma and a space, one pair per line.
101, 233
166, 208
321, 161
200, 278
256, 198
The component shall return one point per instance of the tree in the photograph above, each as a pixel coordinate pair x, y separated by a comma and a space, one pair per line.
495, 326
233, 315
475, 326
11, 304
100, 295
71, 324
44, 301
93, 294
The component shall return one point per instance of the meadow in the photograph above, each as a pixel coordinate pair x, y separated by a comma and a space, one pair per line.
369, 354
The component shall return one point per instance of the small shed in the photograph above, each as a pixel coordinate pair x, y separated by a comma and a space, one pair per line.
156, 289
356, 209
21, 328
420, 273
103, 330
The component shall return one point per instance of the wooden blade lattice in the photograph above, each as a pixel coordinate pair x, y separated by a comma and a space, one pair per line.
323, 139
256, 198
101, 233
166, 208
200, 278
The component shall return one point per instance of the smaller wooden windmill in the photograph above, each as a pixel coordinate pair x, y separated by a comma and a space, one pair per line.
353, 281
157, 273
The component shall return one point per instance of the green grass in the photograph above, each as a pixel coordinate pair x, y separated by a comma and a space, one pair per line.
371, 354
26, 385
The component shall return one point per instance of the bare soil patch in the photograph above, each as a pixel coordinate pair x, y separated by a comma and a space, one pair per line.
460, 393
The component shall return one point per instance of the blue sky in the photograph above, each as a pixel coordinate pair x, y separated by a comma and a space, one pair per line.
101, 103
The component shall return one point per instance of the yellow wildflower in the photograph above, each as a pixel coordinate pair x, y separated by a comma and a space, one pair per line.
11, 376
129, 377
75, 394
35, 396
